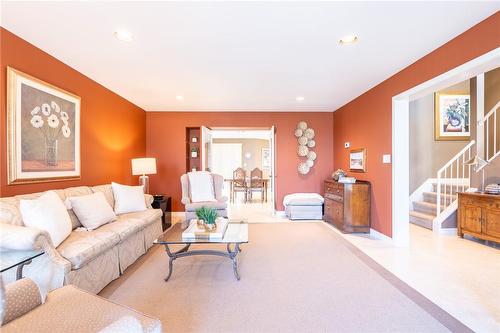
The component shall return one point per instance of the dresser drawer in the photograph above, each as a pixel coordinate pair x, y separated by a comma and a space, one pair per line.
334, 188
334, 197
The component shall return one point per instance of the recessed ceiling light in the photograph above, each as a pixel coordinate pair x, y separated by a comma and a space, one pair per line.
179, 98
300, 98
123, 35
346, 40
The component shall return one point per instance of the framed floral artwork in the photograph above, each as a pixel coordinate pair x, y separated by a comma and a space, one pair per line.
43, 130
452, 116
357, 160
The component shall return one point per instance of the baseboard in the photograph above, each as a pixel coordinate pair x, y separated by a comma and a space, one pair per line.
448, 231
378, 235
281, 214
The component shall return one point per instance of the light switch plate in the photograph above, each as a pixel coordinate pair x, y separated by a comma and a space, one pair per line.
347, 144
386, 158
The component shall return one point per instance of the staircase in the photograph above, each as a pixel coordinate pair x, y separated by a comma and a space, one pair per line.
436, 200
424, 209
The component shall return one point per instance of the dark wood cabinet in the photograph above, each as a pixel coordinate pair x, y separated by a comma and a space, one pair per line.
165, 204
479, 216
347, 206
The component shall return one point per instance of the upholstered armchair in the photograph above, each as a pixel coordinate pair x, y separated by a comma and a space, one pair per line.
220, 202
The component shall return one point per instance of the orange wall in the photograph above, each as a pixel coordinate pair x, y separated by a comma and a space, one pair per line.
112, 129
366, 121
166, 142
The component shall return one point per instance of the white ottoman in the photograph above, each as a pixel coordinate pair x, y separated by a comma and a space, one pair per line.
303, 206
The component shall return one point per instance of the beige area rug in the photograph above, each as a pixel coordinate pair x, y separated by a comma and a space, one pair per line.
295, 277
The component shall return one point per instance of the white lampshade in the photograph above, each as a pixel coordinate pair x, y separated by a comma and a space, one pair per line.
144, 166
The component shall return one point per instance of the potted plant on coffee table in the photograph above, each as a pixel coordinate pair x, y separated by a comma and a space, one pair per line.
208, 216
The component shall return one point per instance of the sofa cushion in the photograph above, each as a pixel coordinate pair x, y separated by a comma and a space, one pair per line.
148, 216
191, 207
83, 246
124, 226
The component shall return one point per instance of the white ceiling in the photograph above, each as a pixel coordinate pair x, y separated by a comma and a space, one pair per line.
239, 56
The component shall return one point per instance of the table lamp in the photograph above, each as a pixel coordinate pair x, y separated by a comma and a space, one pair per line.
143, 167
477, 162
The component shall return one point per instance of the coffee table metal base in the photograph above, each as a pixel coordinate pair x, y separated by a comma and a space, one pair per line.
184, 252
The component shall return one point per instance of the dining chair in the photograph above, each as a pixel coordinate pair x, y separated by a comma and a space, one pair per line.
239, 184
257, 183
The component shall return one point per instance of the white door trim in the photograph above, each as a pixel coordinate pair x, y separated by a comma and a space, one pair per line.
400, 130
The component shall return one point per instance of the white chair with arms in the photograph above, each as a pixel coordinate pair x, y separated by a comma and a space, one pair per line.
195, 186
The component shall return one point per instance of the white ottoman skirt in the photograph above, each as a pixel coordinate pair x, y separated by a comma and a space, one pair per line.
303, 206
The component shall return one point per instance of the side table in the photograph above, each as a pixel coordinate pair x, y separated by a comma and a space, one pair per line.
165, 204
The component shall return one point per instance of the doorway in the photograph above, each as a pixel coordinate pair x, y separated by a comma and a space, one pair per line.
245, 157
400, 130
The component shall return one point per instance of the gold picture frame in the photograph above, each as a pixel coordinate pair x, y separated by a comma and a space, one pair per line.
452, 116
357, 160
43, 131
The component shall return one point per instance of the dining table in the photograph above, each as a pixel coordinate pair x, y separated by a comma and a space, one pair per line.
248, 182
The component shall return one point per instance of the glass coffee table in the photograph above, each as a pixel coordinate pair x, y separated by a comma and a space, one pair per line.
236, 234
11, 259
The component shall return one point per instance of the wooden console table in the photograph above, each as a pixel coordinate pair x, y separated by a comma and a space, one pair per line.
479, 215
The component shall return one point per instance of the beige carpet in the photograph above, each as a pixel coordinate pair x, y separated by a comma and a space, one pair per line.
295, 277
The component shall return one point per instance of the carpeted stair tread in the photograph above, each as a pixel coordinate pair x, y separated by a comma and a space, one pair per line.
425, 207
421, 219
432, 197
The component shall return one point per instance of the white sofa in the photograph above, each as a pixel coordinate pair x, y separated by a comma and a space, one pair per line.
87, 259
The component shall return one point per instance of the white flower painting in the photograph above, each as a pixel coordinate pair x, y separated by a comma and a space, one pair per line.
47, 146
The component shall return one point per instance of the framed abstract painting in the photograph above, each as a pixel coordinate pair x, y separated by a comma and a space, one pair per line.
43, 131
452, 116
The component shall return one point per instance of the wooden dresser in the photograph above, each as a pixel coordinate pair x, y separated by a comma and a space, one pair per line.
479, 216
347, 206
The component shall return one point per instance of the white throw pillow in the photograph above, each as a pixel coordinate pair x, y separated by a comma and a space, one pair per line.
201, 186
92, 210
47, 213
128, 199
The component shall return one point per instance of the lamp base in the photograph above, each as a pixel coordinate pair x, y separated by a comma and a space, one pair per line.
144, 182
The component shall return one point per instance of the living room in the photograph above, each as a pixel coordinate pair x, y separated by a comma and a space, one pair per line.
333, 87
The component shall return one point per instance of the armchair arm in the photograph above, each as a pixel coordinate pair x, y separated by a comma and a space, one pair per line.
185, 200
21, 297
223, 199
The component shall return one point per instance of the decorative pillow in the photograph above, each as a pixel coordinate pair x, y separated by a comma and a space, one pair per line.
128, 199
48, 213
201, 186
92, 210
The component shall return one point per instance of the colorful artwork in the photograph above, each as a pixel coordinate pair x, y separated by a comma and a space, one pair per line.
44, 130
452, 113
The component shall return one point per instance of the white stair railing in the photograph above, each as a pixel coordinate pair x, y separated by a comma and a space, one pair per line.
454, 175
490, 122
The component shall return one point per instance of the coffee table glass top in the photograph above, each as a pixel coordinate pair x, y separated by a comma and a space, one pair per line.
11, 259
236, 232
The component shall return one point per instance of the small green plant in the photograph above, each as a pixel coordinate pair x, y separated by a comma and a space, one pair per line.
207, 214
